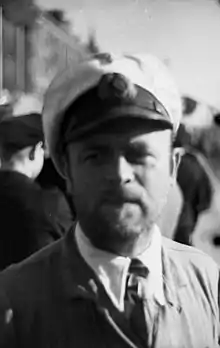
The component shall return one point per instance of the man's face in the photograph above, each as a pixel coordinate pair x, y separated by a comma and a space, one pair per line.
119, 180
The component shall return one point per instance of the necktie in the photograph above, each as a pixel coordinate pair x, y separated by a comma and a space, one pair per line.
138, 311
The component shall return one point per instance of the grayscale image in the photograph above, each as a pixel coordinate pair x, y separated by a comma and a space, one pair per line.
109, 173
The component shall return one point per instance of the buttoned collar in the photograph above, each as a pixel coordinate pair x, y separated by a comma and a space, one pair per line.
112, 269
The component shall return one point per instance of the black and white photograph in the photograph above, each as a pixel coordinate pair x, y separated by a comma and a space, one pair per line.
109, 173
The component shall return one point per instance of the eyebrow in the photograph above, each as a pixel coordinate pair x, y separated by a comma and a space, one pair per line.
97, 144
139, 145
94, 146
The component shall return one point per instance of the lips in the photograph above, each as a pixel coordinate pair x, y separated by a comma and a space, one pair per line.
119, 201
121, 197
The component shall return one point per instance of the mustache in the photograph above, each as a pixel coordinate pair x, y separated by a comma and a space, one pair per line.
122, 195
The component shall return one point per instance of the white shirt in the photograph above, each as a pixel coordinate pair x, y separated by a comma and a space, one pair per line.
112, 270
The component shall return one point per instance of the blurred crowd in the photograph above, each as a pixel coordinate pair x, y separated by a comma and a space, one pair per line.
197, 219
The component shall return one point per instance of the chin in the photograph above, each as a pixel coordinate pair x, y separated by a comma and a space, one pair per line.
111, 228
128, 230
129, 212
119, 236
130, 216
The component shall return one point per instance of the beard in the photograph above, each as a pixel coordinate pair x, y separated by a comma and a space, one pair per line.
115, 225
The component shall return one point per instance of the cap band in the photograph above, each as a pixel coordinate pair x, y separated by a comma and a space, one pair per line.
113, 97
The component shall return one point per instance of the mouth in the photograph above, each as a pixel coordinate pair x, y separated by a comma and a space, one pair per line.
117, 199
120, 199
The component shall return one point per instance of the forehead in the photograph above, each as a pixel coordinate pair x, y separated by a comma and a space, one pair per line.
120, 134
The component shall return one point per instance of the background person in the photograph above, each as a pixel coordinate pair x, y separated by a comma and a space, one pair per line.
57, 204
195, 186
25, 227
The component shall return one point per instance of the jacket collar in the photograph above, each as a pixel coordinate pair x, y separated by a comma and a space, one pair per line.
79, 280
112, 269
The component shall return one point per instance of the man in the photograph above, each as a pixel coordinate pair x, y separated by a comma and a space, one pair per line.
25, 227
198, 195
113, 281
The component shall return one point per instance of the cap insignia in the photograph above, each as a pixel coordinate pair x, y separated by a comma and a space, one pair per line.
116, 86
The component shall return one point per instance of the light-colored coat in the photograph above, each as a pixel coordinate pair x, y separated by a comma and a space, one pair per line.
54, 300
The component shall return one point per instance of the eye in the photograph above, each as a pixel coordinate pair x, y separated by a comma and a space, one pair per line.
139, 156
91, 156
98, 155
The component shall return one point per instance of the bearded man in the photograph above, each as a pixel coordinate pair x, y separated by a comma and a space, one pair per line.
113, 280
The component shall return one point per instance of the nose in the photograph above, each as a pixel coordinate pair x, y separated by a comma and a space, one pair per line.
122, 171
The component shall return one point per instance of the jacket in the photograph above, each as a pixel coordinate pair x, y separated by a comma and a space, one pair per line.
55, 301
25, 226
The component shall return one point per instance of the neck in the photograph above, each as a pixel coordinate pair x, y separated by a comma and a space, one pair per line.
18, 167
132, 249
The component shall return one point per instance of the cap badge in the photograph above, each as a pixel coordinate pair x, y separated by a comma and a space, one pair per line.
116, 86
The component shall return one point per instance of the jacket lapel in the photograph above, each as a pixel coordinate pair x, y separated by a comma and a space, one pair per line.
174, 277
170, 331
80, 282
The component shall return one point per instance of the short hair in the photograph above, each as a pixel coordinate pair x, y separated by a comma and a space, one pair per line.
189, 105
216, 119
8, 153
208, 141
183, 137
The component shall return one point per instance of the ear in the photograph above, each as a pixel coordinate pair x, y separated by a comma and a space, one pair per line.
68, 178
34, 150
67, 173
177, 154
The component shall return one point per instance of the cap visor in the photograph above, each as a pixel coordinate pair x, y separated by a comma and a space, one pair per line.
129, 112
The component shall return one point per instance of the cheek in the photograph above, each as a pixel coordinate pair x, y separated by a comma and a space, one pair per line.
39, 163
84, 185
157, 181
42, 160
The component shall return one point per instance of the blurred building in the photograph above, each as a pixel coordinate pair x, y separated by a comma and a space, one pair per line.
31, 55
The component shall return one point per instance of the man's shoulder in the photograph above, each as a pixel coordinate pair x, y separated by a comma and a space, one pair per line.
29, 290
15, 184
13, 177
189, 257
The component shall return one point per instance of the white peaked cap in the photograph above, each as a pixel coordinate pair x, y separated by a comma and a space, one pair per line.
144, 70
27, 104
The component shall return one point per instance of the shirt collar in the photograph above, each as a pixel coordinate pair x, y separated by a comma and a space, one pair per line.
112, 269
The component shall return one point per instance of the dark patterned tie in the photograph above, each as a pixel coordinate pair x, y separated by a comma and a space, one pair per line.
137, 311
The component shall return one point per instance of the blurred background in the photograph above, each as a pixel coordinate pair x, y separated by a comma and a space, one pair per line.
38, 37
